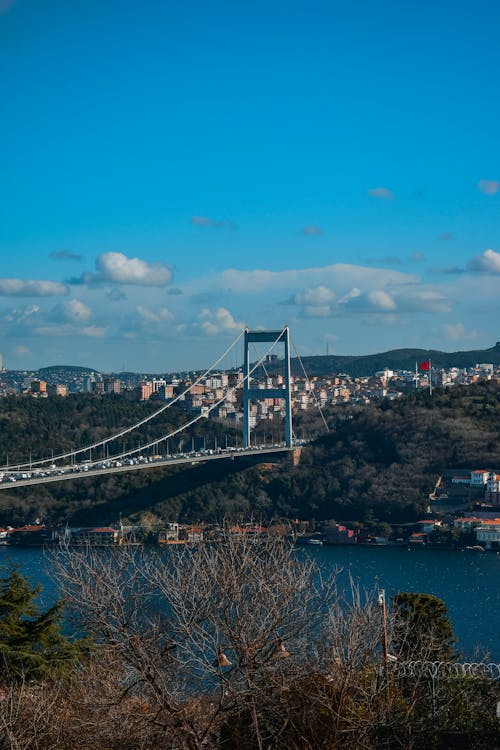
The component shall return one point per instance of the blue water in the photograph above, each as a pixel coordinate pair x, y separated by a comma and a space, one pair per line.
468, 582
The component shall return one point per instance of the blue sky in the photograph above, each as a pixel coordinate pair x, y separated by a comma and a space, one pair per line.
173, 171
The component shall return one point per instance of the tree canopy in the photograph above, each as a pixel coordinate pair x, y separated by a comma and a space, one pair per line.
422, 629
32, 646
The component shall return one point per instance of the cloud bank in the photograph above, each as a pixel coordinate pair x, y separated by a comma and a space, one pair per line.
117, 268
487, 262
30, 288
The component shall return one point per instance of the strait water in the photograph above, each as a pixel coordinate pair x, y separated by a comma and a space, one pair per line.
468, 582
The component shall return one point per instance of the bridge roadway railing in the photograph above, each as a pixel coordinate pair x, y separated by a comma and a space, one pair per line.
82, 471
134, 451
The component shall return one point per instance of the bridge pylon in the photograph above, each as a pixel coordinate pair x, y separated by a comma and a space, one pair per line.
250, 393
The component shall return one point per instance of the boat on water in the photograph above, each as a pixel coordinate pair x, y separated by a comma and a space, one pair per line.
476, 548
312, 541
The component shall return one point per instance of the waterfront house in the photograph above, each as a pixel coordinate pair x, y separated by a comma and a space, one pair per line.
479, 477
247, 528
339, 534
465, 524
417, 539
192, 533
465, 480
34, 535
492, 495
94, 535
488, 533
427, 526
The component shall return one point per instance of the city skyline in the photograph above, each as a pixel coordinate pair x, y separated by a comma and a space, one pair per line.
171, 174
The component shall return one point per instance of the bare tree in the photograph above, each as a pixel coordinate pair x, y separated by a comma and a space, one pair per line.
200, 633
240, 644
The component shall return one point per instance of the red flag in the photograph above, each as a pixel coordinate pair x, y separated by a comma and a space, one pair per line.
426, 366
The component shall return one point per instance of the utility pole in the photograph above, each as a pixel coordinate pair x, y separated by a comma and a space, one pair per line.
385, 644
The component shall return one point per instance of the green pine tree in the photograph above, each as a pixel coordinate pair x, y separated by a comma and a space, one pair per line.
32, 646
422, 628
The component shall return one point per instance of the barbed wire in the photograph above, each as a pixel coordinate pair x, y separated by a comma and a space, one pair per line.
446, 669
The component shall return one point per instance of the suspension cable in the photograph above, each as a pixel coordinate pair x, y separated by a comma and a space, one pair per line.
151, 416
310, 385
263, 363
41, 461
198, 417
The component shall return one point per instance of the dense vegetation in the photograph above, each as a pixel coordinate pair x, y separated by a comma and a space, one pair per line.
378, 463
31, 642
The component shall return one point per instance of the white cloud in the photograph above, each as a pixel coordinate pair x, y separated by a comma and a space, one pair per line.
381, 300
75, 311
18, 317
116, 268
93, 331
52, 331
318, 295
31, 288
487, 262
457, 332
214, 322
155, 316
340, 276
489, 187
317, 311
399, 299
376, 300
352, 294
423, 300
68, 329
382, 193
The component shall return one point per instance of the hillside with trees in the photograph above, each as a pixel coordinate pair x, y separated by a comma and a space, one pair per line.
378, 463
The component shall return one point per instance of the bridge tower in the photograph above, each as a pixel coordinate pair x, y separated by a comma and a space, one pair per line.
250, 393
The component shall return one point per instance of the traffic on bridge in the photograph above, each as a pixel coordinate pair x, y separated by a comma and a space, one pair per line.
78, 463
53, 473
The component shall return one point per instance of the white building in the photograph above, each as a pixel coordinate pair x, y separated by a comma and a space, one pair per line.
479, 477
488, 533
493, 482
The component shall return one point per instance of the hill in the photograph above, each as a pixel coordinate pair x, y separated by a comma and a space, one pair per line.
61, 370
357, 365
396, 359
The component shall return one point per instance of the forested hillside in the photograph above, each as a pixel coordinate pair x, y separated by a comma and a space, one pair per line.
378, 462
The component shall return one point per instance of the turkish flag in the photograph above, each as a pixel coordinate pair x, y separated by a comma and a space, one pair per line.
425, 365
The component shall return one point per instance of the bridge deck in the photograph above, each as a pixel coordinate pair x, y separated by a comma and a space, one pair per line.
62, 473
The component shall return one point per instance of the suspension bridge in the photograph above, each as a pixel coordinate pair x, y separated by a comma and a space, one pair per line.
78, 463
